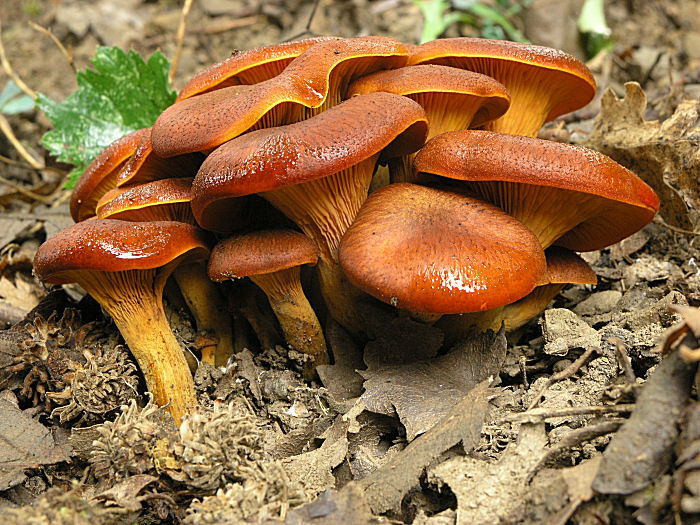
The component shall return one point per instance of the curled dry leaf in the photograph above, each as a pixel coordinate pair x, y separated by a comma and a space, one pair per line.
666, 155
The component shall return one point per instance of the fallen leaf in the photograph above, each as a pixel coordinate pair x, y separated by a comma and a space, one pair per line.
422, 392
125, 493
333, 508
19, 292
386, 487
666, 156
24, 443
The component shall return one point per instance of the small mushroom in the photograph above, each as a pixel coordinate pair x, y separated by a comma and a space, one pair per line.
101, 175
563, 267
315, 81
124, 266
452, 99
431, 251
247, 67
317, 172
272, 259
169, 200
567, 195
543, 83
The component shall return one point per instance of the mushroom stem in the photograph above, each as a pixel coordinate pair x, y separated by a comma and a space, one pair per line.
139, 315
297, 319
341, 297
208, 308
461, 326
522, 311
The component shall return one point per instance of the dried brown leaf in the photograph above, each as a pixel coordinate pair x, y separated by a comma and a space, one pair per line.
386, 487
422, 392
341, 378
24, 443
666, 156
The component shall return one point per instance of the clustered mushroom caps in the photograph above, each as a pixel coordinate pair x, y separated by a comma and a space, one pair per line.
305, 126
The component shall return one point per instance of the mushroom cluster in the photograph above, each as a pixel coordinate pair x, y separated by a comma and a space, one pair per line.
475, 228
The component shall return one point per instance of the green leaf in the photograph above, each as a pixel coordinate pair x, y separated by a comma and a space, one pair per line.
12, 101
121, 94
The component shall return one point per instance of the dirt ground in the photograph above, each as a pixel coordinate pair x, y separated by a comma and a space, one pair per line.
587, 415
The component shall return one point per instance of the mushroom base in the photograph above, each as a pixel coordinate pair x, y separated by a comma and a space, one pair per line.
208, 308
134, 300
297, 319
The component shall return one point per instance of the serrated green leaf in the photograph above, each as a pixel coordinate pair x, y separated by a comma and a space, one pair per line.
121, 94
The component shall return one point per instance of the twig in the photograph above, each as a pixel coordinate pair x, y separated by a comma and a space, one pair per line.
10, 72
574, 438
564, 374
659, 220
56, 41
227, 25
523, 370
624, 360
307, 29
180, 38
13, 162
7, 131
538, 414
44, 199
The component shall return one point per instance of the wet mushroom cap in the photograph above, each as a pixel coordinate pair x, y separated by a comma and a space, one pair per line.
543, 82
101, 175
247, 67
145, 166
479, 95
260, 252
314, 81
602, 201
133, 202
433, 251
109, 245
334, 140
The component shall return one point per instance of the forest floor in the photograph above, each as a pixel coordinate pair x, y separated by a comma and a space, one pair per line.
576, 418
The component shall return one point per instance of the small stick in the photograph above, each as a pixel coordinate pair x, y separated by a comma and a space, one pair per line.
10, 72
538, 414
56, 41
180, 38
624, 360
7, 131
574, 438
523, 370
307, 30
222, 27
564, 374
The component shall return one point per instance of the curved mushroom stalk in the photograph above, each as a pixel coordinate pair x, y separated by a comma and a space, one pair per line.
208, 308
296, 316
150, 340
521, 312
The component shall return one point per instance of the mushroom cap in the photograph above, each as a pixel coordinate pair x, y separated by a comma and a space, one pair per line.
490, 97
309, 81
101, 175
332, 141
145, 166
624, 203
566, 267
572, 83
440, 252
120, 203
107, 245
260, 252
247, 67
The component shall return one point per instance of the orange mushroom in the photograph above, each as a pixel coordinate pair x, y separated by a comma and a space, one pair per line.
169, 200
317, 172
124, 266
452, 99
247, 67
570, 196
315, 81
431, 251
101, 175
543, 83
272, 259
